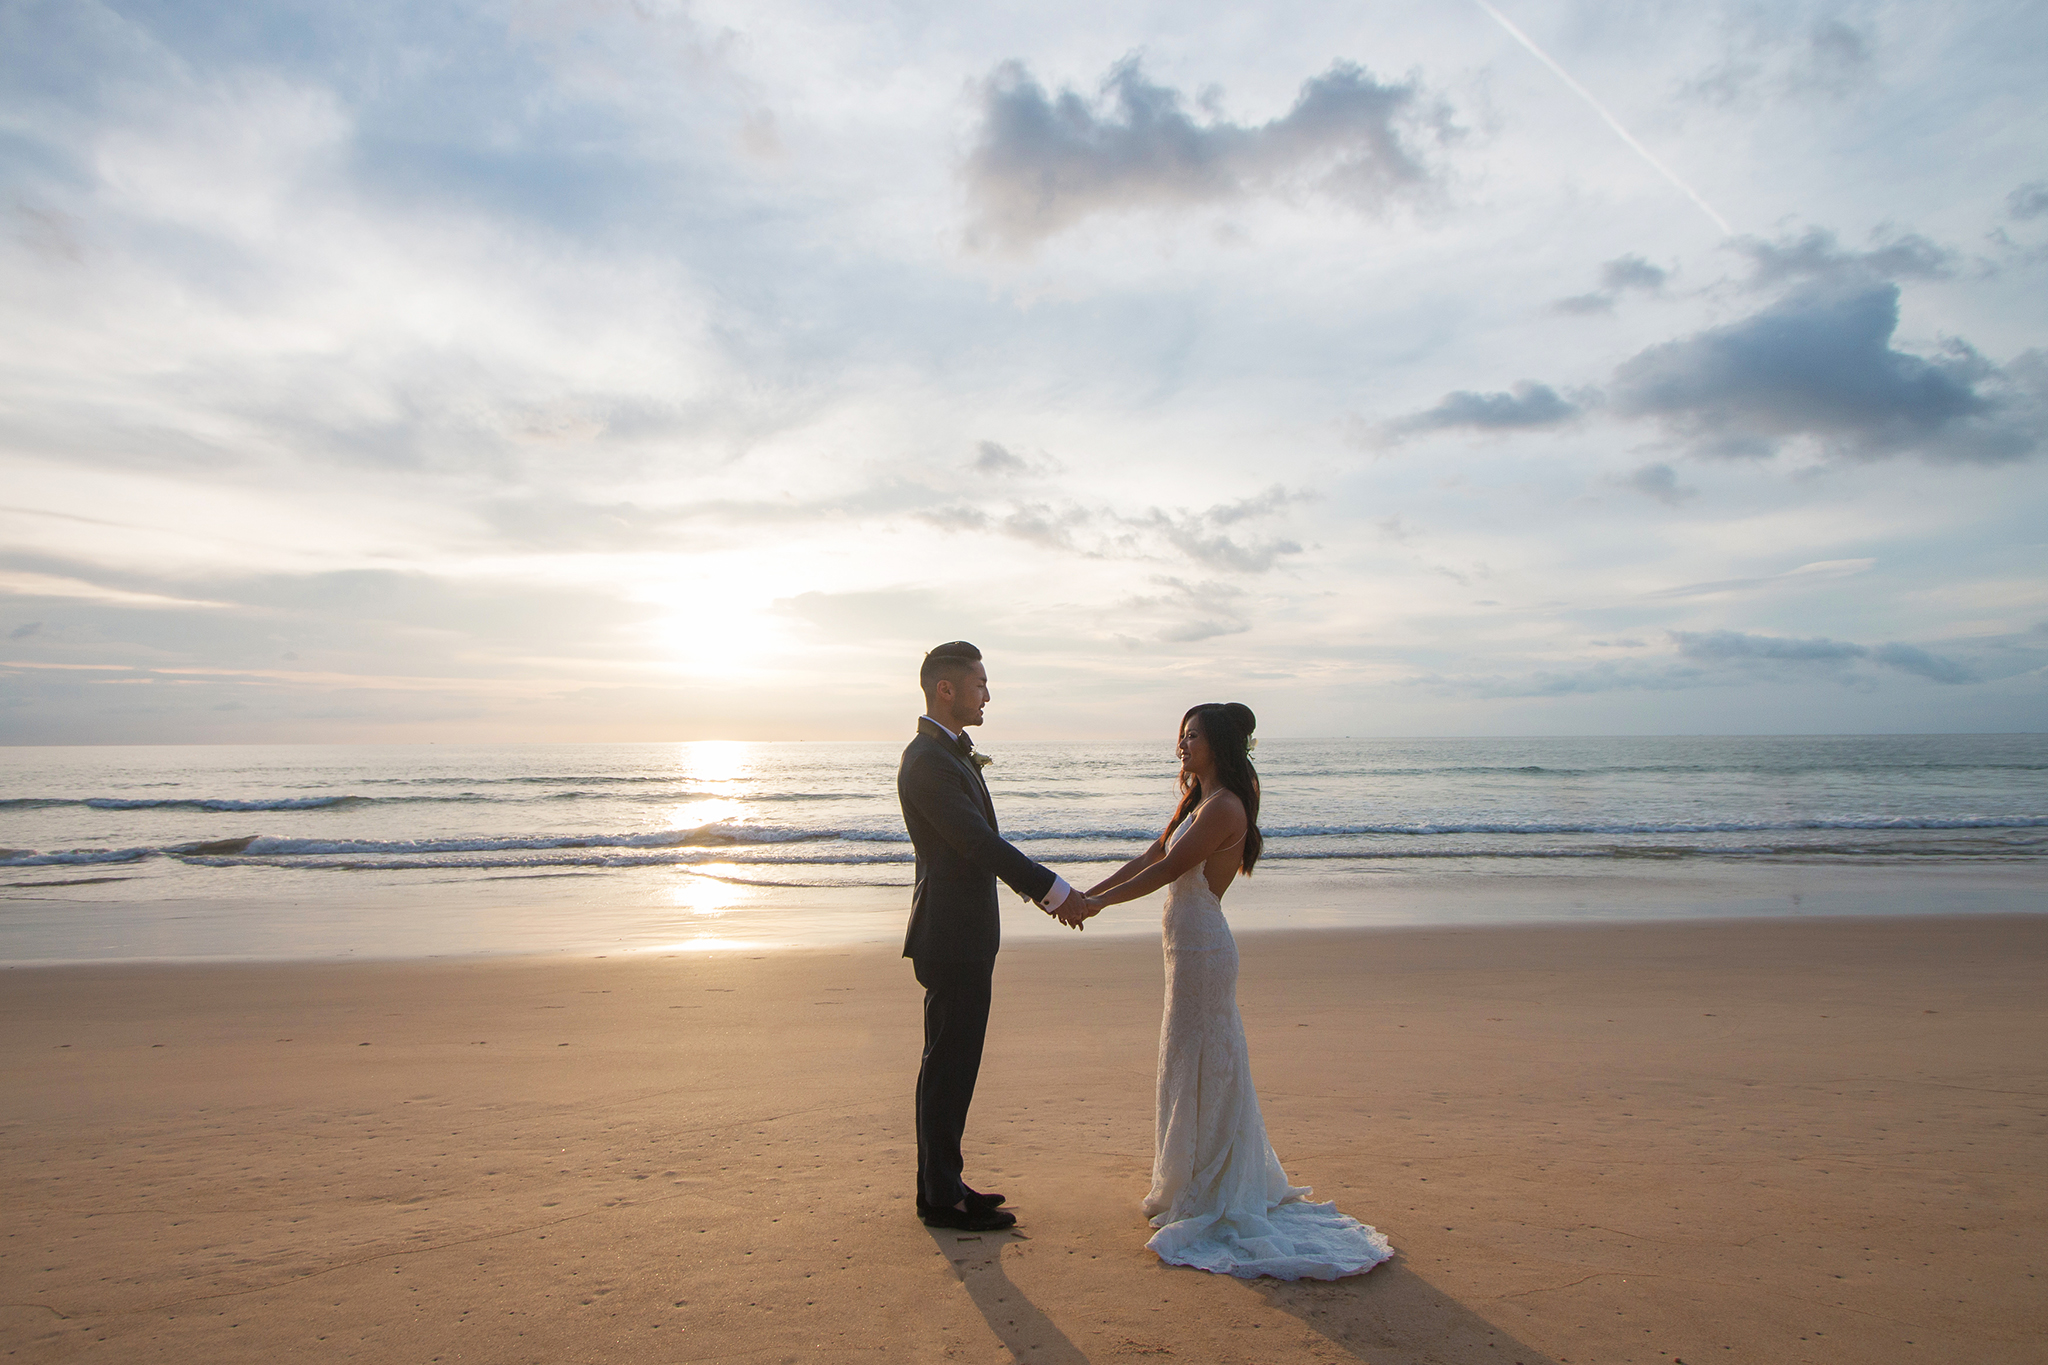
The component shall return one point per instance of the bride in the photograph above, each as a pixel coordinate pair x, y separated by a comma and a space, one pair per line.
1219, 1198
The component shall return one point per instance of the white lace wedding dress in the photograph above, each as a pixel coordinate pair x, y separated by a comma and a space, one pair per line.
1219, 1198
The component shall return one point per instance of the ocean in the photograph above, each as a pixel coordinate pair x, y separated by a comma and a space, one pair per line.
101, 847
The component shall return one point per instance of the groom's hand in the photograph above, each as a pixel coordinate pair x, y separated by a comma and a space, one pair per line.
1076, 909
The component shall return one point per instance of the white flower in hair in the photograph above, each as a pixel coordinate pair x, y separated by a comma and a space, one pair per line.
1251, 744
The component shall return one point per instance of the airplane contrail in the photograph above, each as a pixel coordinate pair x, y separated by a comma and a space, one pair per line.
1612, 122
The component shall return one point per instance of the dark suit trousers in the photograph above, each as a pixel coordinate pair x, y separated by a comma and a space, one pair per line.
956, 996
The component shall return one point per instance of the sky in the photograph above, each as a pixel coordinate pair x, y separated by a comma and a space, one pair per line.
512, 370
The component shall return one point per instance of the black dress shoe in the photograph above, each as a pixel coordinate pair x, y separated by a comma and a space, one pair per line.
973, 1199
967, 1220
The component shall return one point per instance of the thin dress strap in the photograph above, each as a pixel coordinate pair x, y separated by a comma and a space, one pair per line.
1220, 847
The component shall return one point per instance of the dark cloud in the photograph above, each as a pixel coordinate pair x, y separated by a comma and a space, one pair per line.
1819, 365
1632, 272
1583, 304
1531, 405
1816, 254
1722, 646
1728, 646
24, 630
1659, 481
1617, 276
1043, 163
1036, 523
1198, 535
1263, 504
1838, 57
1731, 658
1216, 551
1043, 524
1920, 663
1624, 676
991, 458
2028, 201
998, 461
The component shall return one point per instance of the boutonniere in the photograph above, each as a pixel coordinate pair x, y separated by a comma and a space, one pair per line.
979, 760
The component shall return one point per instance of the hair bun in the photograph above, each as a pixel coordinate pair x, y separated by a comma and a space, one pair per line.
1240, 716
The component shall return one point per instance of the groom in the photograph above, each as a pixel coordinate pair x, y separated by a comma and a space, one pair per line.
954, 925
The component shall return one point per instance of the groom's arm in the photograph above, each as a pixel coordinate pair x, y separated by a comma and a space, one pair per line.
1131, 868
943, 799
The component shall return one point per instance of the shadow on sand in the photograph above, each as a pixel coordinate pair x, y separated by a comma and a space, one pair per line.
1029, 1334
1392, 1316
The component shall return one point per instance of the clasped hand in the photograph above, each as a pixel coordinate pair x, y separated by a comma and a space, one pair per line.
1076, 909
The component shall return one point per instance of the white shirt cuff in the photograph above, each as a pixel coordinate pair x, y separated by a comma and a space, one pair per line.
1057, 897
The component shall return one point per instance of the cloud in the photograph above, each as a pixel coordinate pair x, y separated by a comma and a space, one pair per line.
1820, 570
1259, 505
1659, 481
1617, 276
1920, 663
1722, 646
997, 461
1767, 56
1108, 534
1632, 272
1530, 406
1043, 163
991, 458
23, 631
1585, 303
1215, 551
1728, 646
2028, 201
1626, 676
1816, 254
1044, 525
1199, 611
1197, 535
1819, 365
1725, 658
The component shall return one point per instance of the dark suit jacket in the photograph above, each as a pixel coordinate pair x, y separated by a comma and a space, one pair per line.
952, 823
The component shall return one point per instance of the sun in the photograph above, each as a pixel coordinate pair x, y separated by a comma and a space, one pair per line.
714, 622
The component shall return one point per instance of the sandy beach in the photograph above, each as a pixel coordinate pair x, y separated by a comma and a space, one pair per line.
1681, 1142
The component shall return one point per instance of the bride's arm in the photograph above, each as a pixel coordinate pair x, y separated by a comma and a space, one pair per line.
1221, 822
1130, 869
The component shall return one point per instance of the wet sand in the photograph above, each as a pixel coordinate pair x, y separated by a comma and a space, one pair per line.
1696, 1142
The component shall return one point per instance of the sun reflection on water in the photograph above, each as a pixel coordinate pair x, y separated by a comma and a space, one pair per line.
708, 811
706, 895
713, 763
704, 943
716, 760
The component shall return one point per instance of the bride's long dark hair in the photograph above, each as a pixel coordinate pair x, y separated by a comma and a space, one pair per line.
1228, 727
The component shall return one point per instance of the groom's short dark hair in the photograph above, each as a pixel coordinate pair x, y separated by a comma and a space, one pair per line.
950, 660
